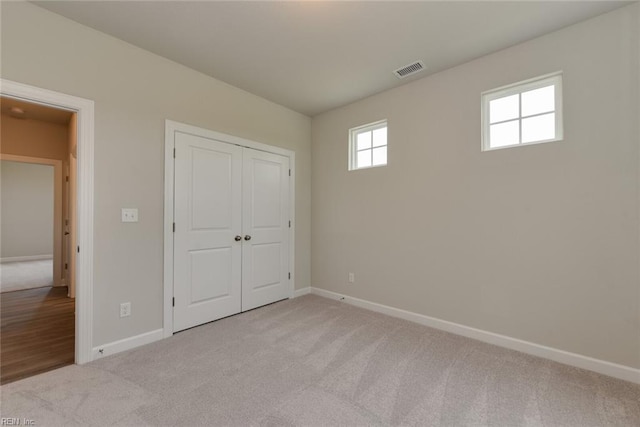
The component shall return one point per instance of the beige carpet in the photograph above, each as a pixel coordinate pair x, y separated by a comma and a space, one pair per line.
317, 362
17, 276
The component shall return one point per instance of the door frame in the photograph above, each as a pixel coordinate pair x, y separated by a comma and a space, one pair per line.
171, 127
84, 108
57, 208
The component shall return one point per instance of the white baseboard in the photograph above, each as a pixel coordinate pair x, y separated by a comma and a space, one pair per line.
126, 344
299, 292
622, 372
25, 258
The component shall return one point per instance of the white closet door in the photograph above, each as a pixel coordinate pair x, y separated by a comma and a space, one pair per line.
207, 256
265, 223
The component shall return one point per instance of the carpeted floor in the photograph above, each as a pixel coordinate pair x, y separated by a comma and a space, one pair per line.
317, 362
17, 276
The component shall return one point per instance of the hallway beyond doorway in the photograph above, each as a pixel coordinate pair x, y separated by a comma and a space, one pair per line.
18, 276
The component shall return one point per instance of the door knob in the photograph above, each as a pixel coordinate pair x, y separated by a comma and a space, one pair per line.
247, 237
238, 238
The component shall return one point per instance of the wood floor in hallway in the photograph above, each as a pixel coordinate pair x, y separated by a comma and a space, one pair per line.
37, 332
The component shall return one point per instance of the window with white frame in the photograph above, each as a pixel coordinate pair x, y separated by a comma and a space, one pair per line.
368, 145
528, 112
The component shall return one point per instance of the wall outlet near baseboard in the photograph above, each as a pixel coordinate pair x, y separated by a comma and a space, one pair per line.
125, 309
129, 214
352, 277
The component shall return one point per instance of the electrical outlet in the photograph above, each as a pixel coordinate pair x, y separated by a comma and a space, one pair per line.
129, 215
352, 277
125, 309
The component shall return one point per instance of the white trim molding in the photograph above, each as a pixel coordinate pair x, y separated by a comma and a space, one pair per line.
127, 344
552, 79
622, 372
300, 292
353, 144
25, 258
171, 127
84, 108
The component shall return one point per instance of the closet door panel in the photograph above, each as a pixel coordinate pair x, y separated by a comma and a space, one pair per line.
265, 220
208, 214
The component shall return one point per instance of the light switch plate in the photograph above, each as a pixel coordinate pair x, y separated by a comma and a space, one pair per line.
129, 215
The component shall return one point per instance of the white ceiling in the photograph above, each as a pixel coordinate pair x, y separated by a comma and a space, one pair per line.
315, 56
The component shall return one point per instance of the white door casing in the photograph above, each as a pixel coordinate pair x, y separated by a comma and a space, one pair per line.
203, 277
84, 196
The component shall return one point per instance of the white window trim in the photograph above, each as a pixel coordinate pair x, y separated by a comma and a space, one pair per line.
520, 87
353, 146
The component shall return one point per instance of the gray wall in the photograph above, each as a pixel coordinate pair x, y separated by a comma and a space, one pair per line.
134, 92
27, 209
539, 242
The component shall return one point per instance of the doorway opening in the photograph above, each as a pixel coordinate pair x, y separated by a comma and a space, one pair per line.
37, 278
72, 253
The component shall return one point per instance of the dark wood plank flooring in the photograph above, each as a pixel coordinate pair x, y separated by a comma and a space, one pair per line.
37, 332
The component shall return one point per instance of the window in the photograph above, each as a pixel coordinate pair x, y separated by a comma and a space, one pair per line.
368, 146
523, 113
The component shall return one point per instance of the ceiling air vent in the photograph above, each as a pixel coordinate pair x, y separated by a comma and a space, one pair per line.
407, 70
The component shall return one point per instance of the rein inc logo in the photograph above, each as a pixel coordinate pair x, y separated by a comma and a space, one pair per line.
6, 421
